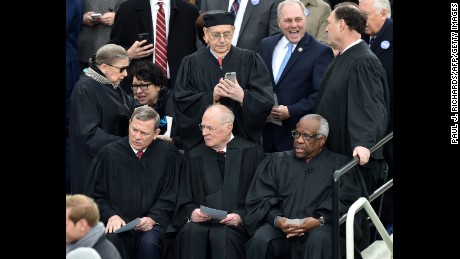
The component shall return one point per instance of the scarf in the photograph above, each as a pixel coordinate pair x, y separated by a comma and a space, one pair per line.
93, 73
89, 239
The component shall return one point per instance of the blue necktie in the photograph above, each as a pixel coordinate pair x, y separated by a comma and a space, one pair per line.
371, 40
285, 60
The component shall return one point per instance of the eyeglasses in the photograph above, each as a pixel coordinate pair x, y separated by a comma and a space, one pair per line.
122, 69
217, 36
142, 86
305, 136
210, 128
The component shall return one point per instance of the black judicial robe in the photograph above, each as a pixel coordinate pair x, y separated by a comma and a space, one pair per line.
193, 92
285, 185
124, 185
201, 184
354, 99
99, 114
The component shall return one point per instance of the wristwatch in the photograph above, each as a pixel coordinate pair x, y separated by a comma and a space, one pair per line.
321, 221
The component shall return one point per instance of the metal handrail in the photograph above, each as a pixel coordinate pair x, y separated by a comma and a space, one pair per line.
355, 207
335, 197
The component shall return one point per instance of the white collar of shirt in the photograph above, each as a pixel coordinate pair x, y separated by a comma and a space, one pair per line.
279, 52
135, 150
154, 9
225, 148
351, 45
238, 19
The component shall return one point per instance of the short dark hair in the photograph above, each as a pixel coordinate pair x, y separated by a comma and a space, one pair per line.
354, 18
146, 70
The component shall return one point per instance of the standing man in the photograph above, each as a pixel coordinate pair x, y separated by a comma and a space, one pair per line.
296, 86
201, 82
354, 95
141, 16
137, 177
317, 12
254, 20
297, 184
379, 28
216, 174
83, 228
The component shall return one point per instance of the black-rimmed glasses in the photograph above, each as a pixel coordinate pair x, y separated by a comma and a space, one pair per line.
122, 69
210, 128
305, 136
142, 86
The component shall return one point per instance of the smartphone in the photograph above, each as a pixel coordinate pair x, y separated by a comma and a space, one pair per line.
230, 76
143, 36
96, 16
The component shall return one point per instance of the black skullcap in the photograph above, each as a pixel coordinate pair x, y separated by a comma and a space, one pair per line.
218, 18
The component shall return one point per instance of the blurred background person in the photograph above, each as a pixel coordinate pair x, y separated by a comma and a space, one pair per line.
317, 12
83, 228
74, 10
95, 31
99, 110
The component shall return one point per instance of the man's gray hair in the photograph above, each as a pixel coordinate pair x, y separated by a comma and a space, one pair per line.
145, 113
323, 125
283, 3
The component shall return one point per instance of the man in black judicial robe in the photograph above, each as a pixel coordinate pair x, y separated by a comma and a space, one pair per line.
218, 181
297, 184
353, 95
136, 176
200, 83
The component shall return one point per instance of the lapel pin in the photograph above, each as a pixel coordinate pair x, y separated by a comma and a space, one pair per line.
385, 44
254, 2
300, 49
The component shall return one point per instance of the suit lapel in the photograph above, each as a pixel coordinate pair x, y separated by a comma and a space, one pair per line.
247, 14
301, 48
145, 14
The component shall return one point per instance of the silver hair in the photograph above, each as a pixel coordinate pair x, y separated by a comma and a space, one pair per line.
283, 3
145, 113
226, 114
108, 53
382, 5
323, 125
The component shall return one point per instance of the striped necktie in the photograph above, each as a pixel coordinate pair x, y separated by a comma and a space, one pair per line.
160, 42
235, 6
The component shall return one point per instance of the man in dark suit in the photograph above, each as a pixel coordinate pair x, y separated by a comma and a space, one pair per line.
380, 26
249, 34
134, 17
296, 87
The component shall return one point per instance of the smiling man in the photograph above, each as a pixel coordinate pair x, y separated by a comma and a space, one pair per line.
297, 184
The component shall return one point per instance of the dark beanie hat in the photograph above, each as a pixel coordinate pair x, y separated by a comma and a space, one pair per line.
218, 18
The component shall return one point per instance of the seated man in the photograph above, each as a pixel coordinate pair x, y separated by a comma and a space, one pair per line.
297, 184
137, 177
216, 174
83, 228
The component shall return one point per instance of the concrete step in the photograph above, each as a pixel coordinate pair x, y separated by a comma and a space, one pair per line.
377, 250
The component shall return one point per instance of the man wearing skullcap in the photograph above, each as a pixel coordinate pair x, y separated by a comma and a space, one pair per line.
200, 82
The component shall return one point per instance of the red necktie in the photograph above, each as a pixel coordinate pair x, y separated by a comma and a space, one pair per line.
221, 152
160, 42
140, 153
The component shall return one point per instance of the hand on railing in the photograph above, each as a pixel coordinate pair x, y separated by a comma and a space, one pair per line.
363, 154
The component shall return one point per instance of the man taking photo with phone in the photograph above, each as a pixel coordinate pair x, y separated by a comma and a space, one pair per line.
200, 82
